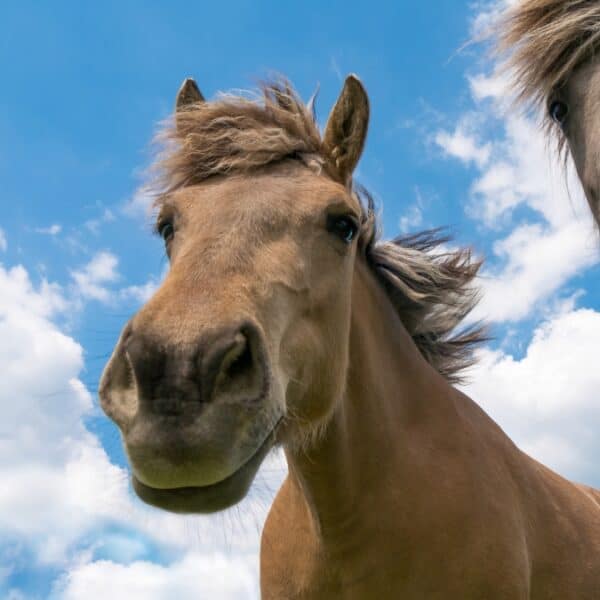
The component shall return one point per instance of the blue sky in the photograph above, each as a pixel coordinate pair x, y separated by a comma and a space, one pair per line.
84, 86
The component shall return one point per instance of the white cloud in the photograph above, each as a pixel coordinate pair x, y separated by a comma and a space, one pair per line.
463, 145
94, 225
335, 68
140, 205
534, 213
495, 87
3, 242
195, 576
536, 261
19, 297
42, 436
486, 15
412, 217
54, 229
92, 279
95, 281
547, 401
140, 293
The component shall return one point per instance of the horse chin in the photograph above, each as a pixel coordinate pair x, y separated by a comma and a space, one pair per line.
209, 498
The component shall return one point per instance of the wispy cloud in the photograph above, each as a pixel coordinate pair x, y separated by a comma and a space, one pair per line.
413, 215
3, 242
94, 225
140, 204
140, 293
92, 280
462, 144
335, 68
54, 229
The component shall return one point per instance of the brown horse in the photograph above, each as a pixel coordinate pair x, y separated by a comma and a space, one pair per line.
284, 321
551, 47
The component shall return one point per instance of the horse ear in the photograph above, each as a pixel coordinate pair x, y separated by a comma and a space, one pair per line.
189, 93
346, 129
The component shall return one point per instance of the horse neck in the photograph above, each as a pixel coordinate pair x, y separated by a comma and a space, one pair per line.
392, 392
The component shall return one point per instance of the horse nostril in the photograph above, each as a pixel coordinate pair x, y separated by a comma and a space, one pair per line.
238, 359
234, 369
147, 360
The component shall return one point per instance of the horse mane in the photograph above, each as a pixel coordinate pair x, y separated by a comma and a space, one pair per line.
543, 42
430, 287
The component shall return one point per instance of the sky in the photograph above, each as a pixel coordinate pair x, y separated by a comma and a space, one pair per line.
84, 86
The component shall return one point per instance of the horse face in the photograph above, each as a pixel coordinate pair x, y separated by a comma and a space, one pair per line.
575, 108
247, 338
248, 333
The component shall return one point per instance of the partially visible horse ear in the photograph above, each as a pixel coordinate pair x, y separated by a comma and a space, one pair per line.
346, 130
189, 93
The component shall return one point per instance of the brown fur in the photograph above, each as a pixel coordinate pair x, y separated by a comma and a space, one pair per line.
413, 492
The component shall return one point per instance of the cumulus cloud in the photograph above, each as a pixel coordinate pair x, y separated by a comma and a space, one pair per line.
63, 486
195, 576
43, 440
535, 261
21, 298
547, 401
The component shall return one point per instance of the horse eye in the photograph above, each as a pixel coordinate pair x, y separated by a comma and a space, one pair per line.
344, 227
166, 231
558, 111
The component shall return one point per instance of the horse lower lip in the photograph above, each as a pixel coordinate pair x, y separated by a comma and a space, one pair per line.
209, 498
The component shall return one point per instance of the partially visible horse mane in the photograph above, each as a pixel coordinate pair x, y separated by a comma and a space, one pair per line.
543, 41
431, 289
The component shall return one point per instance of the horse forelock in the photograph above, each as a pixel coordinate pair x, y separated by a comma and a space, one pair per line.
430, 287
234, 134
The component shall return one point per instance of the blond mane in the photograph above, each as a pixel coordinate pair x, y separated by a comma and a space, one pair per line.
430, 288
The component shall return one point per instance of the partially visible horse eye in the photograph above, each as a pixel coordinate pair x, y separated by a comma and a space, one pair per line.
344, 227
558, 111
166, 231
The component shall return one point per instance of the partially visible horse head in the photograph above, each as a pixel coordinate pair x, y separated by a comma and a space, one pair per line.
261, 225
551, 47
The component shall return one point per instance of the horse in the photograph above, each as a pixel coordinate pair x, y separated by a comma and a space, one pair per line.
285, 320
550, 49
